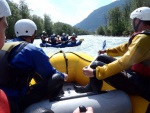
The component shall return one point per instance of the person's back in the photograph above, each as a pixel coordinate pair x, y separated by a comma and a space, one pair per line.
63, 38
43, 37
67, 36
23, 58
53, 39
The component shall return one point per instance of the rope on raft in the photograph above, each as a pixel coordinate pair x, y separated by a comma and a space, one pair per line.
66, 59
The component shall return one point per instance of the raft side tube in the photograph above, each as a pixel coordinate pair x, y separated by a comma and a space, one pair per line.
111, 102
75, 65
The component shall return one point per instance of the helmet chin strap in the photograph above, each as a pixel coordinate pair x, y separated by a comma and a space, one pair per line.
136, 26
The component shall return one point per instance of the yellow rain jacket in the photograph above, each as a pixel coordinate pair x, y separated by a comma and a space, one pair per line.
138, 51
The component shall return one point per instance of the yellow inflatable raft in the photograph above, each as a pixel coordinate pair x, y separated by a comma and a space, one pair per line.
72, 63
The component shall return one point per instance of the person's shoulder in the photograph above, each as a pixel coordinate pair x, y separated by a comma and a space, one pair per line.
141, 38
32, 46
143, 35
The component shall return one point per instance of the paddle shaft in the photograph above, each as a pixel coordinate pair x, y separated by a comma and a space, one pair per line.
103, 48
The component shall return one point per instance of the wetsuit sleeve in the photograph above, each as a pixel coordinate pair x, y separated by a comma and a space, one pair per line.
31, 57
138, 51
117, 51
42, 64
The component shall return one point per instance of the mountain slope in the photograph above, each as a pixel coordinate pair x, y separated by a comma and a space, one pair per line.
98, 17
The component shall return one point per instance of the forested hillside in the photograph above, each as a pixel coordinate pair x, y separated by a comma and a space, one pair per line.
98, 17
112, 21
21, 11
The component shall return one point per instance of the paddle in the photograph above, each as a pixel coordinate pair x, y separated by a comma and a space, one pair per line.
103, 48
82, 39
68, 40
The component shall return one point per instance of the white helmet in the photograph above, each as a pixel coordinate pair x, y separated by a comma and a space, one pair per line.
25, 27
63, 34
142, 13
43, 32
73, 34
4, 9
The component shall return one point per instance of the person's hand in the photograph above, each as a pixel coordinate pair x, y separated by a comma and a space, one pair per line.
65, 76
87, 71
88, 110
101, 51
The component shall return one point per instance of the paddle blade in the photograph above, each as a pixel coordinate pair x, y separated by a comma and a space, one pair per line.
104, 45
103, 48
82, 39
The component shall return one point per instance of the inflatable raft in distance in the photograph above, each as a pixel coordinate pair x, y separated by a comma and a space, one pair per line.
69, 44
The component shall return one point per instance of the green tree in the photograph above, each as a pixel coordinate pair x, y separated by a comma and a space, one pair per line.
57, 28
39, 23
21, 11
48, 24
126, 10
100, 31
24, 10
115, 24
12, 20
60, 28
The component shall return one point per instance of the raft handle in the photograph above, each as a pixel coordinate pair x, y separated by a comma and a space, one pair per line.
82, 108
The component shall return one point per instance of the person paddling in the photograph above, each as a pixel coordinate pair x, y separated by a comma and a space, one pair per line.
44, 36
73, 38
64, 39
130, 72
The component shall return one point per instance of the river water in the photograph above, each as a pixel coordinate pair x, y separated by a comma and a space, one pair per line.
90, 45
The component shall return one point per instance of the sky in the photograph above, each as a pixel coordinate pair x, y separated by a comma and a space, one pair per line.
66, 11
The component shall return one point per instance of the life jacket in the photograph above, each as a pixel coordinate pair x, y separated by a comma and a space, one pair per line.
43, 38
53, 40
11, 77
63, 38
73, 38
143, 68
4, 104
